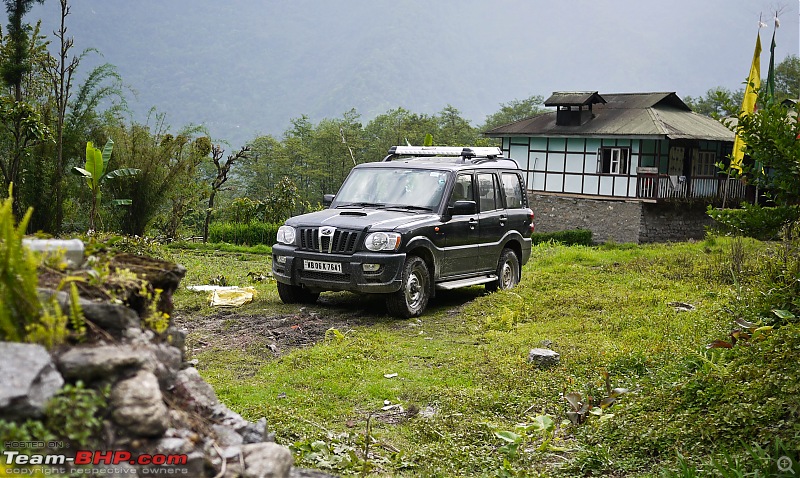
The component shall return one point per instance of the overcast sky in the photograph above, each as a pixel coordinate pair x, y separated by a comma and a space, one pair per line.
492, 51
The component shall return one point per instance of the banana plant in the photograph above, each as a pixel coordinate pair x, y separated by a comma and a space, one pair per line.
96, 173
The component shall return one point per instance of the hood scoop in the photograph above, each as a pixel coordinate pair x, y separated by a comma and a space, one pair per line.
352, 213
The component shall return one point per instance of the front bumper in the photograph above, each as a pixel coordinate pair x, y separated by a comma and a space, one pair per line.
388, 278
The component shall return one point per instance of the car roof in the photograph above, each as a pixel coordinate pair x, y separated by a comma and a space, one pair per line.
445, 158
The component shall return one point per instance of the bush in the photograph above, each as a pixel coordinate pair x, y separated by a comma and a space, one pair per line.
18, 277
764, 223
249, 234
576, 237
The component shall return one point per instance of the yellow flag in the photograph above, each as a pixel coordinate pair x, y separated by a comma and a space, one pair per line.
748, 103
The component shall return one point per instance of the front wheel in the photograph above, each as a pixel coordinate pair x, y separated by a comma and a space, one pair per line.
412, 298
507, 272
294, 294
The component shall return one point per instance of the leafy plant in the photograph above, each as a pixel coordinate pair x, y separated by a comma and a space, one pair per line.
18, 278
747, 331
96, 173
76, 413
765, 223
582, 408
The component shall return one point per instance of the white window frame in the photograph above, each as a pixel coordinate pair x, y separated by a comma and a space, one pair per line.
619, 156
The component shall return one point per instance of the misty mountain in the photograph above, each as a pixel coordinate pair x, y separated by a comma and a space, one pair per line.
246, 67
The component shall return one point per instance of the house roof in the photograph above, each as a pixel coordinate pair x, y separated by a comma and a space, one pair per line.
642, 115
573, 98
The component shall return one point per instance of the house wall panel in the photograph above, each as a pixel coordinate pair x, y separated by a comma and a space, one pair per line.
573, 183
590, 184
606, 185
555, 162
554, 182
574, 162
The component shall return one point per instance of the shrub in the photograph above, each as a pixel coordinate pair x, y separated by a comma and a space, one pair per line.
576, 237
250, 234
765, 223
18, 278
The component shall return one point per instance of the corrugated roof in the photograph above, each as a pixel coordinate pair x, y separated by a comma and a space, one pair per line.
573, 98
655, 115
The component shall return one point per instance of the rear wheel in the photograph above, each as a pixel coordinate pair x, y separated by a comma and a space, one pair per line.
294, 294
507, 272
413, 296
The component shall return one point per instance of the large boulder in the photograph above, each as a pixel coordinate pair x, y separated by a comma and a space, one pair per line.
138, 406
28, 379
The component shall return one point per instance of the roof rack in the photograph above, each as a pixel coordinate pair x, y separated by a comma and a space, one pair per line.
451, 151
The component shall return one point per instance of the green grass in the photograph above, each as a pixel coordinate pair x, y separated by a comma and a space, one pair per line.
464, 364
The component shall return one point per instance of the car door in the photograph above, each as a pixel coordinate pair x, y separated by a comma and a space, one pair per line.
513, 191
492, 219
461, 232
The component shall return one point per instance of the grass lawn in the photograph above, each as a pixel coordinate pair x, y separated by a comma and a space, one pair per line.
460, 374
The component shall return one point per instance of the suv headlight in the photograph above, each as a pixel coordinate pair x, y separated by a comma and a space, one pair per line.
286, 235
382, 241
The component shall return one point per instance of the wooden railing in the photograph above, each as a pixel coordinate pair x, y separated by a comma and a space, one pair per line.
655, 186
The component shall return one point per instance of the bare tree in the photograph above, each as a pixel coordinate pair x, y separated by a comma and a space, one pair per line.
223, 168
61, 73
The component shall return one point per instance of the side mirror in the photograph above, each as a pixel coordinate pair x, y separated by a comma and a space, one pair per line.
327, 199
463, 208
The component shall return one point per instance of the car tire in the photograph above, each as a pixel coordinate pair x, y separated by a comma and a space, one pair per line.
294, 294
412, 298
507, 272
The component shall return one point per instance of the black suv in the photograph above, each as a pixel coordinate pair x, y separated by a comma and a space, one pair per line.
423, 219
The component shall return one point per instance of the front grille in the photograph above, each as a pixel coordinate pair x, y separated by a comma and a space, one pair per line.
342, 241
325, 276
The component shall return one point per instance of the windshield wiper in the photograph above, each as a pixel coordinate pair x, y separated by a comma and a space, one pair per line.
361, 204
411, 207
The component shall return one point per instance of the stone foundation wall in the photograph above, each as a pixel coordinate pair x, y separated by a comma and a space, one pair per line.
620, 220
673, 222
609, 220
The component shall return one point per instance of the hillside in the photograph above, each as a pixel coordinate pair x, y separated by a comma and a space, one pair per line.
244, 67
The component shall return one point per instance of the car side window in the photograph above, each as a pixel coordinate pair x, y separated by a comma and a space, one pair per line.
512, 189
487, 187
462, 189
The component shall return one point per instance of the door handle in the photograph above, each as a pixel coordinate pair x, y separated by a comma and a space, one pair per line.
472, 223
503, 220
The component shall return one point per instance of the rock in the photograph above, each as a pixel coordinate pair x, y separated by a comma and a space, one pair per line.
543, 358
266, 460
138, 406
28, 379
161, 275
112, 318
255, 432
227, 436
165, 361
177, 338
101, 362
303, 473
194, 391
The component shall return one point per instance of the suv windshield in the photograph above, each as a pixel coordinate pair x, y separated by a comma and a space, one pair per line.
392, 187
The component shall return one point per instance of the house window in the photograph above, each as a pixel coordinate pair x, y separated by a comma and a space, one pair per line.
613, 160
705, 164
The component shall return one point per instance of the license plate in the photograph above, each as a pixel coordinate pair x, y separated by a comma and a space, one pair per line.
320, 266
